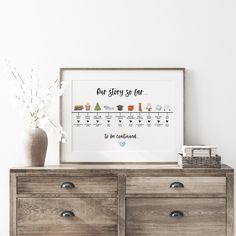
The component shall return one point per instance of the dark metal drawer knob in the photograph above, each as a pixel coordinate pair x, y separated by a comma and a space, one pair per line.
176, 214
67, 214
67, 185
176, 185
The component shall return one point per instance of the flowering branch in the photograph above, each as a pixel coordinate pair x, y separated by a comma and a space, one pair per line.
35, 102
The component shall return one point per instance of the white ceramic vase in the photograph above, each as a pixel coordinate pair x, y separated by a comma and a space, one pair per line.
35, 143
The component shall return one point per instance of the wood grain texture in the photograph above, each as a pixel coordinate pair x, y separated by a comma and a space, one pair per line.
83, 185
230, 204
161, 170
93, 216
76, 168
161, 185
150, 217
13, 205
67, 230
121, 201
103, 206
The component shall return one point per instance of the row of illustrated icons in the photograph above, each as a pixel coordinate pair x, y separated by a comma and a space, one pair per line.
98, 107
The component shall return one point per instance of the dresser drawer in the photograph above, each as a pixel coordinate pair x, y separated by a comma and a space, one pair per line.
175, 217
67, 185
176, 185
66, 216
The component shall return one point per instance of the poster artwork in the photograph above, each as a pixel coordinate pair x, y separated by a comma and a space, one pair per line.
122, 115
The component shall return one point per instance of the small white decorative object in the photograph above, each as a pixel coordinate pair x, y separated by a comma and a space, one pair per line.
199, 151
35, 103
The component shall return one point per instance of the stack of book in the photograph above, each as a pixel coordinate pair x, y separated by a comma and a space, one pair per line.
199, 157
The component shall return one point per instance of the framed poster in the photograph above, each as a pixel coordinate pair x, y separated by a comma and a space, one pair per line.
122, 115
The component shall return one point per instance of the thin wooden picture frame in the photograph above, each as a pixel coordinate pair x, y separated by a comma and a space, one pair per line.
65, 156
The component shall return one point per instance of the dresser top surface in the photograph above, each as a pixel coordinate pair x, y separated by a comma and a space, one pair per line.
119, 167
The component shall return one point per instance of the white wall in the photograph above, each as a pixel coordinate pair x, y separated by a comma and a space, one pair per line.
199, 35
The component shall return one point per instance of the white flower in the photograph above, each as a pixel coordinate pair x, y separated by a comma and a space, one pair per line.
35, 102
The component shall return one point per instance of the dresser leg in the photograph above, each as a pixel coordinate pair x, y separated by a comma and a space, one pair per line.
121, 205
230, 204
13, 189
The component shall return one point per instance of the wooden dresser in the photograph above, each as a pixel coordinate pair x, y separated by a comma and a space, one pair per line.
119, 200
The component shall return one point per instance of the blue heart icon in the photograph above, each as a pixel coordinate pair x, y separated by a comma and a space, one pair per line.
122, 144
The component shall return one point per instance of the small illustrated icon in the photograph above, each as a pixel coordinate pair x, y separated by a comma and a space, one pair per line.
78, 107
120, 107
158, 107
108, 108
130, 107
122, 144
87, 106
167, 107
97, 107
149, 107
140, 107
